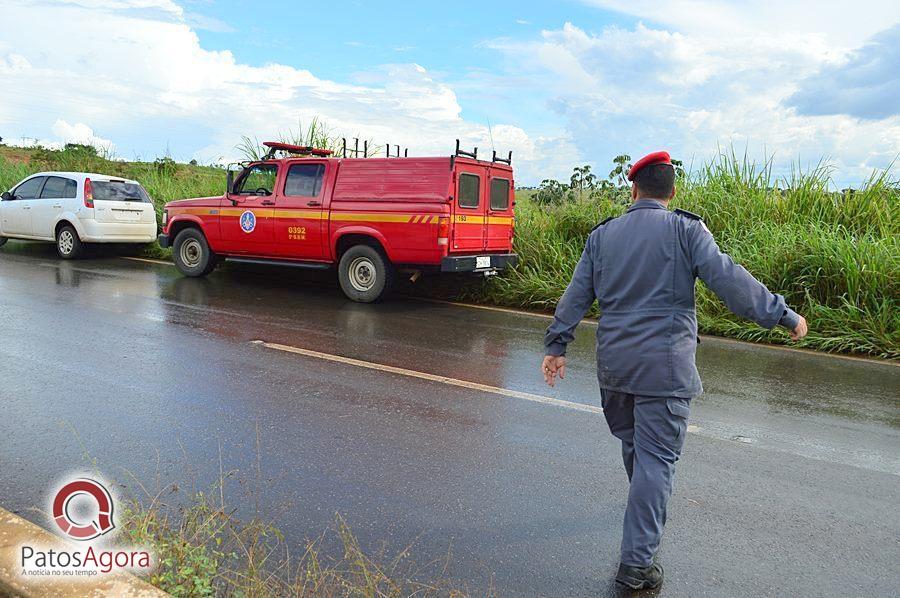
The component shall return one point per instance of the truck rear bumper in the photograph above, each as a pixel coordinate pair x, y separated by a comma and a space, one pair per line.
478, 263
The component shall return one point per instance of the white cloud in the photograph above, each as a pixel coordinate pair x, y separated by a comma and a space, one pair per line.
138, 71
80, 133
645, 88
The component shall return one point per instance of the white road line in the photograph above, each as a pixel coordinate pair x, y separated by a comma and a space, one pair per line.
146, 260
525, 396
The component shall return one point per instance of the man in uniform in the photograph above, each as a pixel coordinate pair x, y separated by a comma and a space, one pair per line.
641, 268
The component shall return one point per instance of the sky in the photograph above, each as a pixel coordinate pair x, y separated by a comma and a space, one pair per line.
560, 83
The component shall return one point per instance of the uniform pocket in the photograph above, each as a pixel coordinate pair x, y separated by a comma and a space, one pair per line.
679, 407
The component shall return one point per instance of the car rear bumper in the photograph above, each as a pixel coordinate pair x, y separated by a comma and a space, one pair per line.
117, 232
163, 241
469, 263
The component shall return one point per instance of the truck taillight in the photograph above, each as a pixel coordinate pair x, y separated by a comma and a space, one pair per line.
165, 218
88, 194
443, 230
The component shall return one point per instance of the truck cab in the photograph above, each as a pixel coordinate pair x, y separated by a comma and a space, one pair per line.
368, 217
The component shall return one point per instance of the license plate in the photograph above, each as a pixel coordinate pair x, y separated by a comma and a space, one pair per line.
127, 215
483, 261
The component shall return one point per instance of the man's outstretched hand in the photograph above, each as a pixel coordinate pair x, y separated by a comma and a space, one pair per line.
552, 366
800, 330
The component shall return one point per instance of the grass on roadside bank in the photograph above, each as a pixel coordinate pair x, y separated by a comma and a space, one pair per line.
835, 256
204, 549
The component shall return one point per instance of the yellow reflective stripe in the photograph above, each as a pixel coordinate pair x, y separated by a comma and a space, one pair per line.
499, 220
315, 215
304, 214
345, 217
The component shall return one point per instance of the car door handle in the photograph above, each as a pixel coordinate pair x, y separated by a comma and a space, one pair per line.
57, 206
314, 204
26, 207
267, 202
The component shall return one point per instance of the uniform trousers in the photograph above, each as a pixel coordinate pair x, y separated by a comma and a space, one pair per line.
652, 431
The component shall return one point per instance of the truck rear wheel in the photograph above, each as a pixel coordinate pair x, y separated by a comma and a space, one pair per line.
365, 274
192, 254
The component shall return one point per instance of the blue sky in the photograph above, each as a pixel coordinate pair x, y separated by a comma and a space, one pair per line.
561, 83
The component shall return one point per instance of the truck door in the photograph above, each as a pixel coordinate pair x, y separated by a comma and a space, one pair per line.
299, 211
469, 209
247, 220
499, 221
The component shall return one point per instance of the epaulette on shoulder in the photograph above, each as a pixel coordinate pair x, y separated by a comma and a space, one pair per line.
602, 223
687, 214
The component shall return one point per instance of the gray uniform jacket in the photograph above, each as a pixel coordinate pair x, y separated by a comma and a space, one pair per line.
641, 268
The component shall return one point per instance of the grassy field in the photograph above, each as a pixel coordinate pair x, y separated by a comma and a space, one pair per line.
835, 256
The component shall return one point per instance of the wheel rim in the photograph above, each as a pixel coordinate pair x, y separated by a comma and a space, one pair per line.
66, 242
191, 253
362, 274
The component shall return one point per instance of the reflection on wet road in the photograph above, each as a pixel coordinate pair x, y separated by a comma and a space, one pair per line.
789, 472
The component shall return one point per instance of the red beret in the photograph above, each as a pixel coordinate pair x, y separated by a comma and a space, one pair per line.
649, 160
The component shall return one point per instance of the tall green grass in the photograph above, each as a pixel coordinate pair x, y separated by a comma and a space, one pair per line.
835, 256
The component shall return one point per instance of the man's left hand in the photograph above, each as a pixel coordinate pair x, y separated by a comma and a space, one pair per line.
551, 366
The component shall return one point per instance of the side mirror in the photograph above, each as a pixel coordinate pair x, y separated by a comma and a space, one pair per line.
229, 182
6, 196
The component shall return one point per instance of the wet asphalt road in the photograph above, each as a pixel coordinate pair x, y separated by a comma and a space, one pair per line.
788, 484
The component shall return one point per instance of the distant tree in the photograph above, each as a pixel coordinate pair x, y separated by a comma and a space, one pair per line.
619, 174
582, 180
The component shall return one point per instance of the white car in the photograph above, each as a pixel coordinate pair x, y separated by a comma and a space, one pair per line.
73, 208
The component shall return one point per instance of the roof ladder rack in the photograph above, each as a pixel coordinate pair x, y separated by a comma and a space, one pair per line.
472, 154
507, 160
397, 155
355, 151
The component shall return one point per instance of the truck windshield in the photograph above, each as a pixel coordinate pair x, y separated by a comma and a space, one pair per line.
259, 179
118, 191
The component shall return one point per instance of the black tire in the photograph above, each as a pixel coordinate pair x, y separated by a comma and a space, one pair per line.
3, 241
192, 254
365, 274
68, 245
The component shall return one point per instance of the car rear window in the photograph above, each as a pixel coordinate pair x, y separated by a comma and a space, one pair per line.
499, 194
468, 190
118, 191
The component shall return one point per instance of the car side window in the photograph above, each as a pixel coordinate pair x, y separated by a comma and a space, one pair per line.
259, 179
30, 188
59, 188
469, 188
499, 194
304, 180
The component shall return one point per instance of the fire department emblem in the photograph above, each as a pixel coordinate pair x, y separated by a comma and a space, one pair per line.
248, 221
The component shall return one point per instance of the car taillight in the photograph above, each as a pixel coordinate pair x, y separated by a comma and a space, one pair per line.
443, 230
88, 194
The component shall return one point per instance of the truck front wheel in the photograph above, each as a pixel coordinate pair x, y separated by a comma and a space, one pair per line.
365, 274
192, 254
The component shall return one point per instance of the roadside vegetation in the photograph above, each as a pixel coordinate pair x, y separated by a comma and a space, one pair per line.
204, 549
835, 255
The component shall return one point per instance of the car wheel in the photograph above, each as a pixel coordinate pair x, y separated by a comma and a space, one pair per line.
365, 274
68, 245
192, 254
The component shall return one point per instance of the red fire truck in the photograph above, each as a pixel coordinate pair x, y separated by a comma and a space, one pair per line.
302, 206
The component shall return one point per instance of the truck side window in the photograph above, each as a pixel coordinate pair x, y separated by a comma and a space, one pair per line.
499, 194
259, 179
304, 180
469, 185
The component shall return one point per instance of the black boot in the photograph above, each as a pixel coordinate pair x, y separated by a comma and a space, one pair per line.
640, 578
